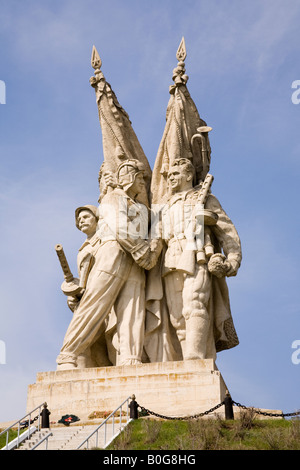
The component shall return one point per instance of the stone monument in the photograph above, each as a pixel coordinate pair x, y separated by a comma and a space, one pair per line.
150, 305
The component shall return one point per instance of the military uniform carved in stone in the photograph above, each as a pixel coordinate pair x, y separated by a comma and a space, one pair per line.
180, 309
116, 280
191, 289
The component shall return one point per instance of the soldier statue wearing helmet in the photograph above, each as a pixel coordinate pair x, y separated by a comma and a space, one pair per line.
188, 308
128, 171
120, 250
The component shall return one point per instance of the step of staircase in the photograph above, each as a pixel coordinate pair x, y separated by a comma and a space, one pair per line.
34, 439
70, 437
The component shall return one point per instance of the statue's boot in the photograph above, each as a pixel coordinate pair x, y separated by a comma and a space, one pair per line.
66, 366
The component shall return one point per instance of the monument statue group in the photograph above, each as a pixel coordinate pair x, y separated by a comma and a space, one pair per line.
158, 246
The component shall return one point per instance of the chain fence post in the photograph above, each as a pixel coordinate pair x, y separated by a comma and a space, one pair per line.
228, 406
133, 407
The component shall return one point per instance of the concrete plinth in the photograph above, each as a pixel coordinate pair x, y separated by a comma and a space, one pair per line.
168, 388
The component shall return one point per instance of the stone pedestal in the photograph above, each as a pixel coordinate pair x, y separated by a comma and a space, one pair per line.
168, 388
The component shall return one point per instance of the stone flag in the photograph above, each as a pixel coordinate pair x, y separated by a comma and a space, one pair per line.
119, 139
185, 134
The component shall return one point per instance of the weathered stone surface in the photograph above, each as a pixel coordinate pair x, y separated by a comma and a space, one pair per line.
152, 291
176, 388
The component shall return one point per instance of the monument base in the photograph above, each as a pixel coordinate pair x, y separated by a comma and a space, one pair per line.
169, 388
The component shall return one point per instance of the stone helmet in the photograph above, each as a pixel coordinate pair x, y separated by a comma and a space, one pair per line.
92, 209
127, 172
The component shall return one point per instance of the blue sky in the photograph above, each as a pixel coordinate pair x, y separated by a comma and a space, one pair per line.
242, 58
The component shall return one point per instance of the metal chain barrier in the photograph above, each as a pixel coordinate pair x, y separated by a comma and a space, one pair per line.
204, 413
199, 415
265, 413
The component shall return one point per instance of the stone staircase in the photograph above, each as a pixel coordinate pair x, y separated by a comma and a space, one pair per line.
70, 437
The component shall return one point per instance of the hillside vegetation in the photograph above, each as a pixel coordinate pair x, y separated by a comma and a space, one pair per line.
246, 433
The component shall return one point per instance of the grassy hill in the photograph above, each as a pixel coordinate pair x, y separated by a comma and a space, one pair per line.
245, 433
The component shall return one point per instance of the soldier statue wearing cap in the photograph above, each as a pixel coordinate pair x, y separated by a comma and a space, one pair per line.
86, 219
118, 252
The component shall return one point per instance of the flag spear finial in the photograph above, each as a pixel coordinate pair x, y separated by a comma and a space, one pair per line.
181, 51
179, 75
95, 60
